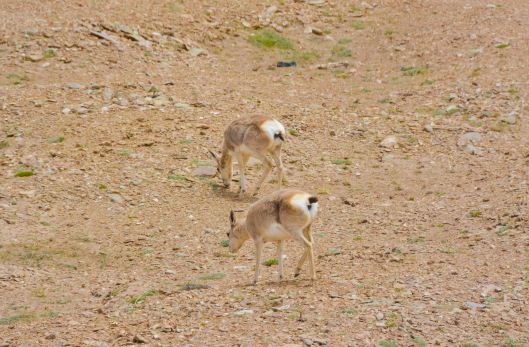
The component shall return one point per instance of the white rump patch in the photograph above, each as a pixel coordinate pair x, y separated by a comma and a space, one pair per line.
272, 127
302, 202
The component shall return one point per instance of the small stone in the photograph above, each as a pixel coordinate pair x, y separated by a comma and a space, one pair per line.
452, 96
197, 52
116, 198
315, 2
108, 94
469, 138
202, 126
205, 171
512, 118
379, 316
74, 85
471, 149
307, 341
317, 31
51, 336
286, 64
181, 105
139, 339
428, 128
35, 57
389, 142
66, 110
473, 305
123, 102
170, 272
243, 312
451, 109
81, 110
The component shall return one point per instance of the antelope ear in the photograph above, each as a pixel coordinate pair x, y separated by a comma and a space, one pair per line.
232, 218
215, 156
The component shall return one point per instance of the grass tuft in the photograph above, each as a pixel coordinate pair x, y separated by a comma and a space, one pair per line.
269, 39
270, 262
140, 298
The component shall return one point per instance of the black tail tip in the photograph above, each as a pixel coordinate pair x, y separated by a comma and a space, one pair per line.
313, 200
280, 136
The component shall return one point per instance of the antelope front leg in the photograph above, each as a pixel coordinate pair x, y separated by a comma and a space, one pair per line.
280, 251
258, 256
241, 160
277, 159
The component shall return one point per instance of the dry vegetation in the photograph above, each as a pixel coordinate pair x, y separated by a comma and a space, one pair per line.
407, 118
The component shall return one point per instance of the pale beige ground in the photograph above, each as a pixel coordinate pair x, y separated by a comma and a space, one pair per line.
420, 243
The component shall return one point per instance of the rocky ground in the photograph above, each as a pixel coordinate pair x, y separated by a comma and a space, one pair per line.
407, 118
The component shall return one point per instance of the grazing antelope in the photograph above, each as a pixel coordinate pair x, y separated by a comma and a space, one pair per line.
256, 137
283, 215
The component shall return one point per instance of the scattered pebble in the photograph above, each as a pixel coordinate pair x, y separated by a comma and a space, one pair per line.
389, 142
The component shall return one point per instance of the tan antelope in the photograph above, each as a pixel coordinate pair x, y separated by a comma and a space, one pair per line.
256, 137
283, 215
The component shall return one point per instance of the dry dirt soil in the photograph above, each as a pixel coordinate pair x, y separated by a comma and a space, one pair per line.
406, 118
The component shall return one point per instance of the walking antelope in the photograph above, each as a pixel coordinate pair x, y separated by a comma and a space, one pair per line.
283, 215
256, 137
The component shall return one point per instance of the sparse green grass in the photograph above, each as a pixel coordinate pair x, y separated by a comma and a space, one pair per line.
43, 252
511, 342
225, 243
341, 73
426, 82
475, 213
392, 321
342, 51
469, 344
185, 142
198, 162
212, 276
387, 343
503, 230
345, 41
502, 45
270, 262
24, 173
16, 79
302, 57
16, 319
141, 298
270, 39
475, 72
342, 161
56, 139
358, 24
350, 312
420, 342
177, 177
413, 71
49, 53
101, 186
4, 144
293, 132
499, 127
193, 286
389, 32
123, 152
